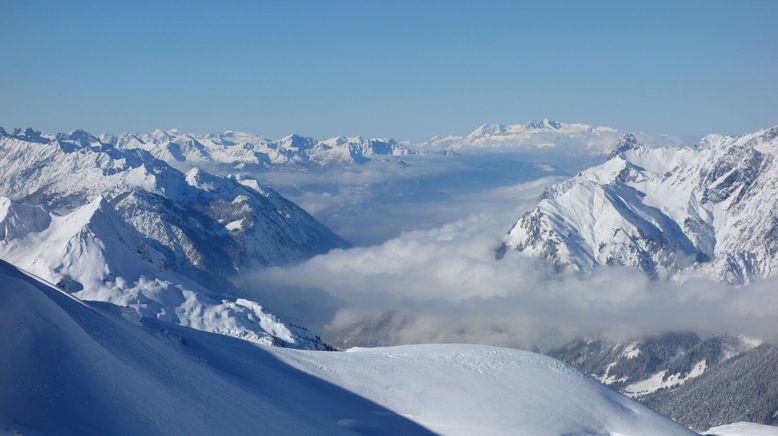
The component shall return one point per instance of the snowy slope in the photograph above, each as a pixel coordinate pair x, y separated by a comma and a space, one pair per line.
67, 367
641, 367
710, 208
238, 148
743, 429
71, 367
92, 253
464, 389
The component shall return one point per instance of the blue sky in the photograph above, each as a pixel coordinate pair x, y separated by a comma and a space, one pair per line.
408, 69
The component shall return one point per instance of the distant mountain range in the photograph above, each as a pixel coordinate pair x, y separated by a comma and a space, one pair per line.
708, 209
240, 149
538, 135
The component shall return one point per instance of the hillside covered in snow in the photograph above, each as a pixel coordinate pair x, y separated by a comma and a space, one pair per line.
122, 226
68, 364
706, 209
699, 381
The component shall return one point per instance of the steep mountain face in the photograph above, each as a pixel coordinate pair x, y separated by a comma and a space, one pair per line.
69, 365
700, 382
241, 149
707, 209
124, 227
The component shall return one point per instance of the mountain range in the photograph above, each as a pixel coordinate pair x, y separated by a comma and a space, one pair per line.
541, 135
241, 150
112, 221
118, 225
708, 209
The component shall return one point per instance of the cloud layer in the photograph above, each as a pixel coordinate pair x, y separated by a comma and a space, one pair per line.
371, 203
445, 285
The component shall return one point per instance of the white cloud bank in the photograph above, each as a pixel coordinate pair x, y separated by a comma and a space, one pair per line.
445, 285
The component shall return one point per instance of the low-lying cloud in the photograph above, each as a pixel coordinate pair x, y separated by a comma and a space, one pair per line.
445, 285
370, 203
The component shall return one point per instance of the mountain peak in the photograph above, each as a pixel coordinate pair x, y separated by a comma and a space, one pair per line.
200, 179
79, 136
669, 211
97, 209
294, 137
544, 124
627, 142
488, 130
159, 135
298, 141
29, 134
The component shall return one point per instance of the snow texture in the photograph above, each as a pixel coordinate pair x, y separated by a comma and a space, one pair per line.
708, 209
68, 366
126, 228
743, 429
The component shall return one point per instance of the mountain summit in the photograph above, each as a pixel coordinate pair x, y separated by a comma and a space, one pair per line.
707, 209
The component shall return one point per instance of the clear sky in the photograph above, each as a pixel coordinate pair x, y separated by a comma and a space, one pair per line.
407, 69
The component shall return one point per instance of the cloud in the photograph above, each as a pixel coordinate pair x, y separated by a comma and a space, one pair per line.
371, 203
445, 285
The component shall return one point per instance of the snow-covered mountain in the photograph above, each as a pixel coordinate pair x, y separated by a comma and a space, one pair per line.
94, 254
743, 388
67, 365
205, 224
644, 366
541, 135
124, 227
705, 209
242, 149
700, 381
